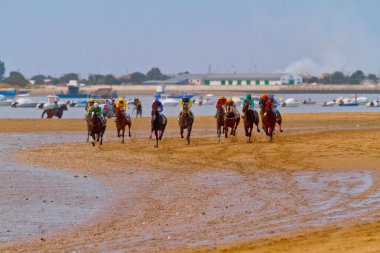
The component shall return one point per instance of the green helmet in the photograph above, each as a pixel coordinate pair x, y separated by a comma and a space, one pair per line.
248, 96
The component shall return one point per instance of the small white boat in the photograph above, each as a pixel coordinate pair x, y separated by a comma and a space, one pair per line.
24, 102
361, 100
374, 103
50, 102
168, 101
347, 102
206, 100
290, 102
4, 101
329, 103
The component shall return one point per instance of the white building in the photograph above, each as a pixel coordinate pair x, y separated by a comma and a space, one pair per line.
234, 79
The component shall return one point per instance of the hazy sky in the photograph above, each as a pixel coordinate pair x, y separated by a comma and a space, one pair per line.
119, 36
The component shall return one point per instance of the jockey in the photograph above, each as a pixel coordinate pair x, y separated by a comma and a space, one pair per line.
220, 103
89, 104
157, 104
121, 105
98, 110
232, 106
55, 106
262, 102
273, 104
248, 98
186, 101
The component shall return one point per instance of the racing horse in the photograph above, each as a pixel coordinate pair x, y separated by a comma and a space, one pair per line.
269, 122
220, 120
96, 129
278, 119
54, 112
186, 121
250, 117
158, 122
122, 119
231, 120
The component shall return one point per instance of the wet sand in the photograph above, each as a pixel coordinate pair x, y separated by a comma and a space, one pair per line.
316, 188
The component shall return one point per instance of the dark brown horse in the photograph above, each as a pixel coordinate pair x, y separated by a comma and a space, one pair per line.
96, 129
54, 112
251, 117
186, 121
231, 120
122, 119
269, 122
158, 122
220, 120
278, 119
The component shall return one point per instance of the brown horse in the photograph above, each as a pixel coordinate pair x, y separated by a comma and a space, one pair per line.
122, 119
158, 123
186, 121
220, 120
231, 120
251, 117
97, 129
278, 119
269, 122
52, 112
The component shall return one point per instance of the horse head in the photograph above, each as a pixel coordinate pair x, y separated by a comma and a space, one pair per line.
246, 106
63, 107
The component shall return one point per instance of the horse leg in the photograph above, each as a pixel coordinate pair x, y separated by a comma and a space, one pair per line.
122, 141
93, 139
162, 130
129, 128
188, 133
156, 134
181, 131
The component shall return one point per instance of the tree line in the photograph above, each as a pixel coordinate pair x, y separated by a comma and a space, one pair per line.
17, 78
339, 77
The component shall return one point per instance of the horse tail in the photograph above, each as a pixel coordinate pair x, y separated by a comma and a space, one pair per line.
43, 113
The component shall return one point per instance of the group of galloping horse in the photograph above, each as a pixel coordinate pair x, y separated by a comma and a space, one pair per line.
226, 119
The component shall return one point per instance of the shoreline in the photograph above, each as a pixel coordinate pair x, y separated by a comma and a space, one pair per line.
122, 90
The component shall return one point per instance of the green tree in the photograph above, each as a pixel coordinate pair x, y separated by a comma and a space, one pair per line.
357, 77
137, 77
95, 78
2, 70
16, 78
155, 74
67, 77
38, 79
110, 79
338, 77
53, 80
373, 78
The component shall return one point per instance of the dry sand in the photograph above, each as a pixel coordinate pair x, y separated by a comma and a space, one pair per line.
316, 188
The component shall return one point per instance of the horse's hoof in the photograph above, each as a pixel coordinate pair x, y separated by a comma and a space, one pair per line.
93, 144
156, 146
130, 135
281, 130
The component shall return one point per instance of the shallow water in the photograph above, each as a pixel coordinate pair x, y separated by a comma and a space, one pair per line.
36, 200
207, 110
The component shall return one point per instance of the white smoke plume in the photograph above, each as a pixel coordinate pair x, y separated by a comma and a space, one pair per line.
304, 66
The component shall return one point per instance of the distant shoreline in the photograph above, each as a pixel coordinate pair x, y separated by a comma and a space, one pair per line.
123, 90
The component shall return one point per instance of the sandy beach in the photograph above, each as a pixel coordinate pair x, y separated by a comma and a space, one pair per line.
315, 188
